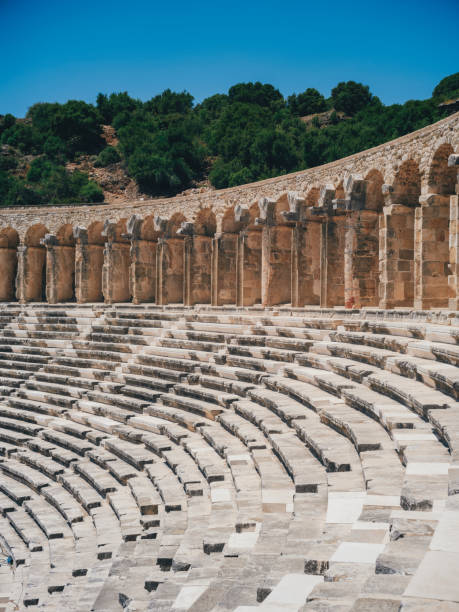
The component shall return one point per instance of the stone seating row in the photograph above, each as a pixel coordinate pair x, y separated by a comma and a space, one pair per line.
249, 373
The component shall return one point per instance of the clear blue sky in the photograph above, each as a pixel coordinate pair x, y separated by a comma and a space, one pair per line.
55, 50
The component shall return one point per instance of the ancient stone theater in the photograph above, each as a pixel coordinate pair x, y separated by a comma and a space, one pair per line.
237, 400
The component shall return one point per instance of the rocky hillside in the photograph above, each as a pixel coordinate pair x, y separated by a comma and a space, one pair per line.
123, 149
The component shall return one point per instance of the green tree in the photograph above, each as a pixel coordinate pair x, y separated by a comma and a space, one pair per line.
306, 103
447, 87
256, 93
350, 97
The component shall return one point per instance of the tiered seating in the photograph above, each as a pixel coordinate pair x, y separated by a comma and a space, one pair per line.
186, 459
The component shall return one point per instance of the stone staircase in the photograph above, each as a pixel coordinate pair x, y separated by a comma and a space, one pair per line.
212, 459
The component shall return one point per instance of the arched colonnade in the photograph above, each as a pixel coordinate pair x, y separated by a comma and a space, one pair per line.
364, 242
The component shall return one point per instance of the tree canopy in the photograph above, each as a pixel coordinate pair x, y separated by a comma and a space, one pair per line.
168, 143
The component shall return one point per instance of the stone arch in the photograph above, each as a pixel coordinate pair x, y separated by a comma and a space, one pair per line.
374, 196
9, 241
34, 235
147, 229
32, 265
205, 223
441, 177
312, 196
95, 236
407, 184
173, 225
229, 223
339, 191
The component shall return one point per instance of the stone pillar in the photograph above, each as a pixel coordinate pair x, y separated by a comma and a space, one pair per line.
249, 268
60, 270
197, 266
453, 278
305, 254
31, 274
396, 256
115, 271
306, 264
431, 252
170, 271
361, 259
332, 261
224, 269
142, 272
89, 259
276, 247
8, 270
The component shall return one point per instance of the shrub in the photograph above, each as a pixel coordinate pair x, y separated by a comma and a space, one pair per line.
107, 156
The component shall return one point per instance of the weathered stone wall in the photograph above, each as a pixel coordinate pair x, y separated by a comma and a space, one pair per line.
378, 228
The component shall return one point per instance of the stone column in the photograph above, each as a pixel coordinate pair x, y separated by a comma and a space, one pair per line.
431, 253
361, 259
249, 268
224, 269
332, 235
89, 259
361, 246
169, 266
276, 257
305, 253
197, 266
115, 271
332, 261
60, 270
453, 278
31, 274
396, 254
8, 270
142, 273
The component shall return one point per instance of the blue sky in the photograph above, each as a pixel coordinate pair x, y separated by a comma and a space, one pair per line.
55, 50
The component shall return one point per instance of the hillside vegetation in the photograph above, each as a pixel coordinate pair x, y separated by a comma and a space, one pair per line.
169, 144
